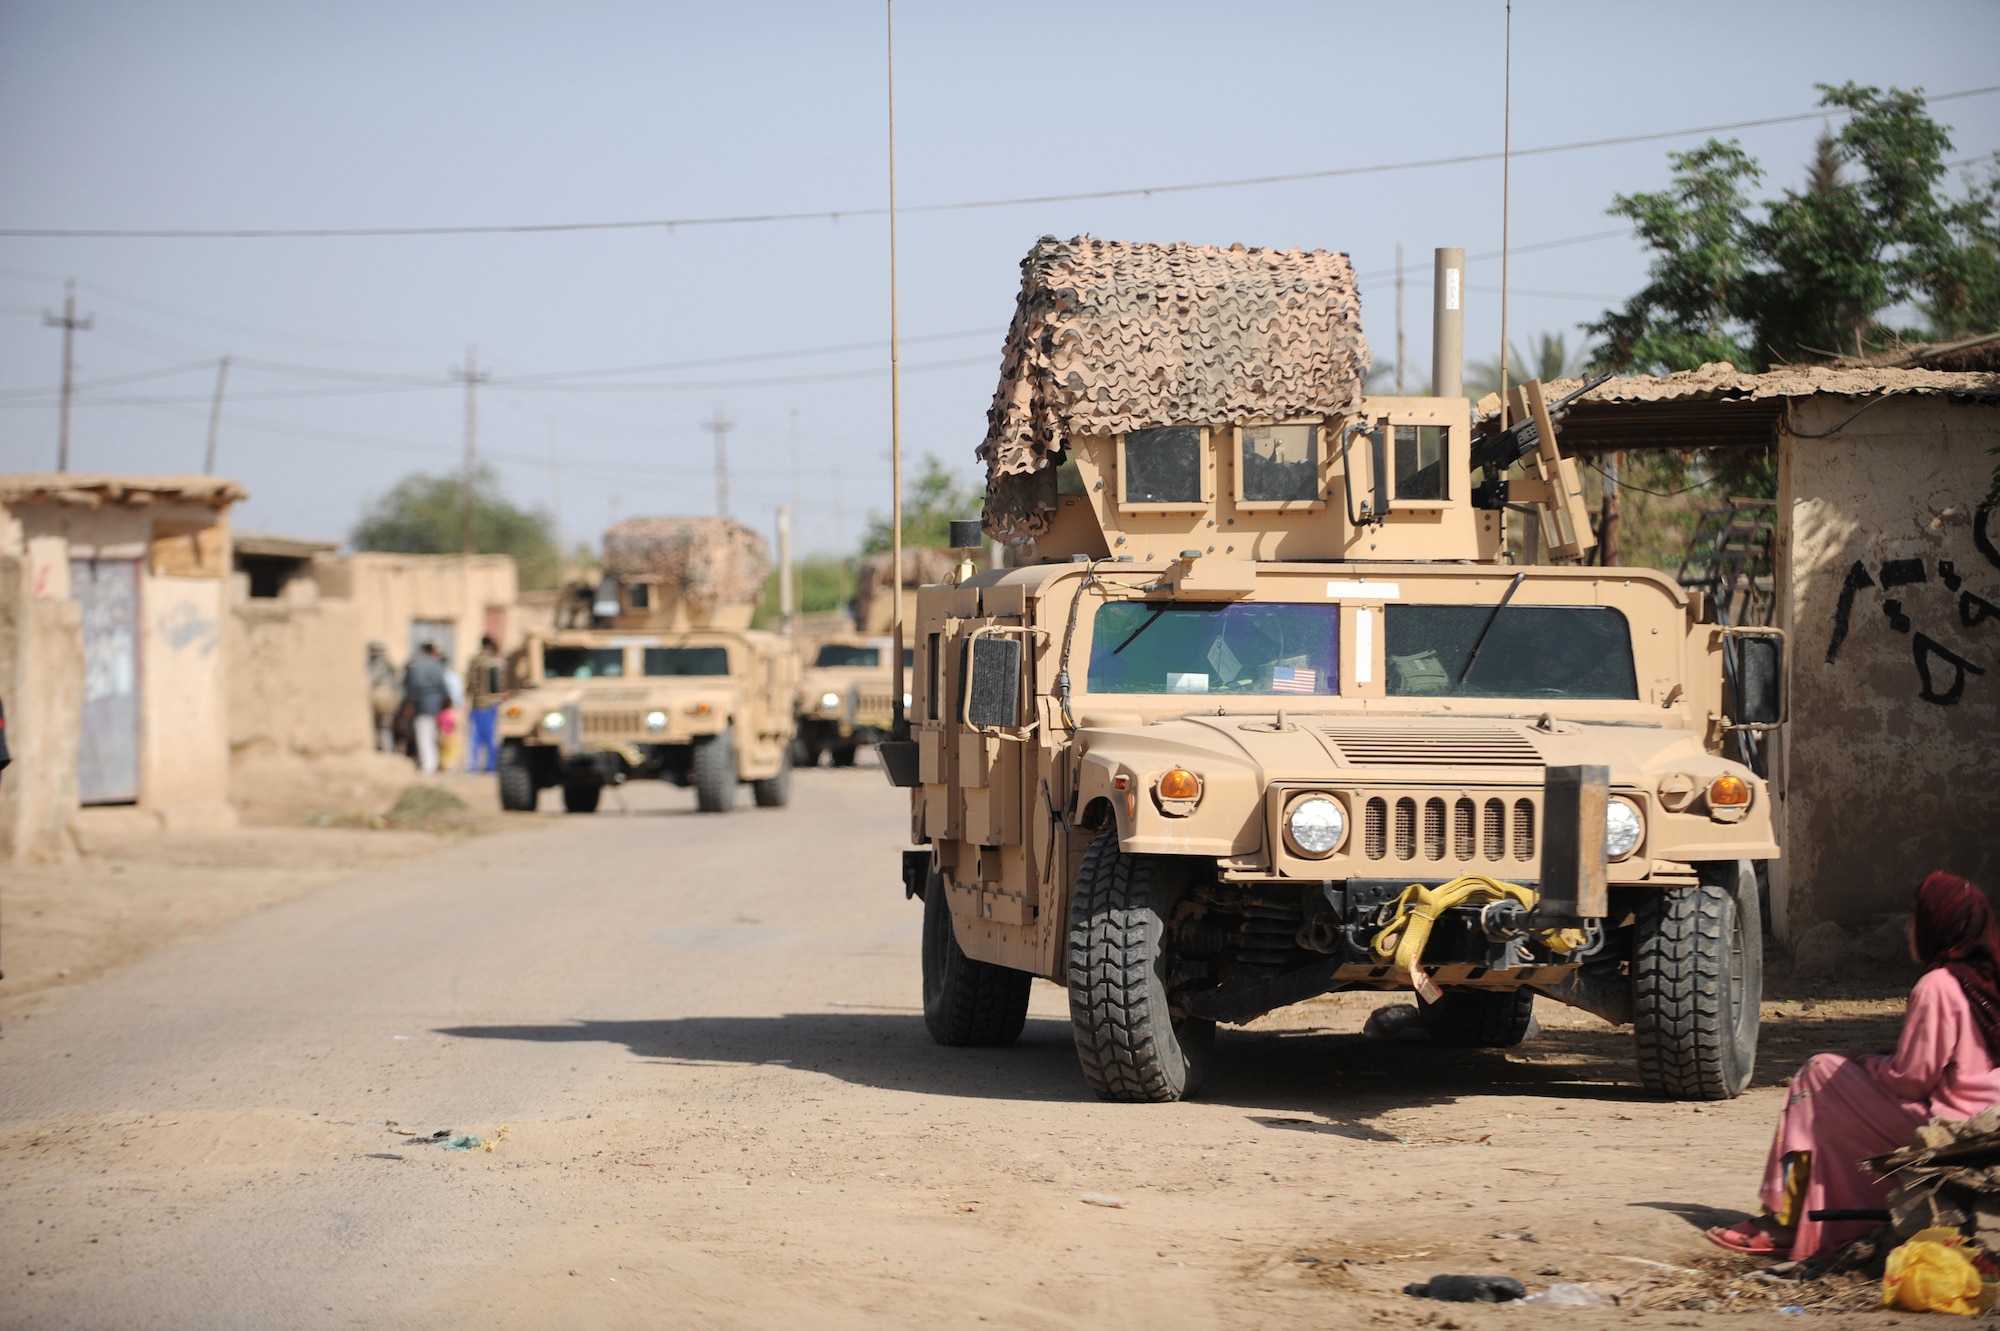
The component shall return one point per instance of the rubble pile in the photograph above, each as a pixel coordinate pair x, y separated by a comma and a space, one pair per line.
708, 561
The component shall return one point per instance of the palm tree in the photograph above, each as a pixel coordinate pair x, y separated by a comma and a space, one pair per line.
1553, 359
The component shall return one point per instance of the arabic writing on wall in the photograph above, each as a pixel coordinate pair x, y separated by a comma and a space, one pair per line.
1931, 657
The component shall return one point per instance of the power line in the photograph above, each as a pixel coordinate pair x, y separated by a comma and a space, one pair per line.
835, 215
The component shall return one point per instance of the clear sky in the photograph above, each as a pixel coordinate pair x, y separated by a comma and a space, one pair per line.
226, 114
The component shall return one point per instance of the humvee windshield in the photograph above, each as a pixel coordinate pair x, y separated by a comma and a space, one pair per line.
583, 662
847, 654
711, 660
1138, 647
1532, 651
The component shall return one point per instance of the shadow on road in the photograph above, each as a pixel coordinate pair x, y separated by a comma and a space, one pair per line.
1269, 1071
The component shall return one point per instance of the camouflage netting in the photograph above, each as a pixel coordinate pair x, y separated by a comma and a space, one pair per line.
709, 561
1110, 337
872, 577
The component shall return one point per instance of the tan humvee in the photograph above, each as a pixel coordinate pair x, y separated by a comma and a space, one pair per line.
845, 695
655, 672
1266, 668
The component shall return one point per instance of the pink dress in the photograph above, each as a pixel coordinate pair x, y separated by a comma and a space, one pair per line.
1845, 1109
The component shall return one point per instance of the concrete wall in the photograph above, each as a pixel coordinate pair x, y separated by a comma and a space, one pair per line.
299, 682
1891, 767
41, 682
390, 592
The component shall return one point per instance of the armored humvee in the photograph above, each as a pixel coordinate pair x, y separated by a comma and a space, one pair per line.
654, 671
1266, 711
845, 697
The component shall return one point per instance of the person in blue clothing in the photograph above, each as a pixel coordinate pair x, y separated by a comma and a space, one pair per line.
485, 681
427, 693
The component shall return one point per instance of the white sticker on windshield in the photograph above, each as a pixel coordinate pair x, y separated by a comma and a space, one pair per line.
1226, 664
1365, 591
1195, 682
1364, 646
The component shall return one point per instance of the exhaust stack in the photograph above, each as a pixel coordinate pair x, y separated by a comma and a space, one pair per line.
1448, 325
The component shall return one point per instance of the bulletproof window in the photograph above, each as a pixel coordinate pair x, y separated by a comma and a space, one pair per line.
1279, 464
847, 654
639, 596
1163, 466
1531, 651
1239, 648
687, 661
1420, 461
583, 662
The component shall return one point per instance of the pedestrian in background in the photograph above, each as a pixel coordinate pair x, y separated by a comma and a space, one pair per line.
487, 679
426, 694
385, 696
451, 721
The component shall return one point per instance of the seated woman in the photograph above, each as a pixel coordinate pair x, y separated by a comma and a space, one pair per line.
1841, 1110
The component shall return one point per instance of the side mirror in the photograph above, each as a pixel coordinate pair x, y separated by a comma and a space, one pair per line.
604, 602
1755, 662
993, 683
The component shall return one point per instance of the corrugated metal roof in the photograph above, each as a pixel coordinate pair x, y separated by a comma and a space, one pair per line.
1112, 336
90, 490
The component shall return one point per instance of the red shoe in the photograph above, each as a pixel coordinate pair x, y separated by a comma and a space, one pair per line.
1752, 1238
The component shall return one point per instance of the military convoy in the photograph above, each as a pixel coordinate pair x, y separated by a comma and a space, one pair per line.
1267, 711
654, 671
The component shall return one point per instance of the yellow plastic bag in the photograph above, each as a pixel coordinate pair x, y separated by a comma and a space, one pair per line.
1931, 1273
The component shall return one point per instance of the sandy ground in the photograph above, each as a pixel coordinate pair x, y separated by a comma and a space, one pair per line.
695, 1046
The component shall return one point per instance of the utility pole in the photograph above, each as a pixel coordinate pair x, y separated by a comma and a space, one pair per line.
473, 376
899, 727
1608, 515
1399, 321
720, 428
215, 416
786, 603
70, 325
555, 488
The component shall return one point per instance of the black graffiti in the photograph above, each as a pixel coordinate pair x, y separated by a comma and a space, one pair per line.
1857, 578
1898, 621
1980, 540
1975, 610
1924, 649
1903, 573
1948, 572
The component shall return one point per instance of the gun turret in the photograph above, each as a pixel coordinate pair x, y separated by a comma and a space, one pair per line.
1494, 453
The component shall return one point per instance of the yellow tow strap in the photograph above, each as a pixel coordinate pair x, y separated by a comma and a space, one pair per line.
1403, 939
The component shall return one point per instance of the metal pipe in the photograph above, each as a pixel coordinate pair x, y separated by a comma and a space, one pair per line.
1448, 325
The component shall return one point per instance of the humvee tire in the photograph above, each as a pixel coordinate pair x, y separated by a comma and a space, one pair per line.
1697, 981
1478, 1018
517, 780
715, 772
967, 1003
775, 792
1131, 1046
843, 754
581, 796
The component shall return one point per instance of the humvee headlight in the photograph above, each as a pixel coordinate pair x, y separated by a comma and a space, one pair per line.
656, 720
1316, 825
1623, 827
553, 721
1180, 784
830, 701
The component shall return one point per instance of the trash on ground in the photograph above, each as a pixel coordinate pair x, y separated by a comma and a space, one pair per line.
1517, 1235
1099, 1199
384, 1155
1468, 1289
1566, 1294
1933, 1273
1397, 1021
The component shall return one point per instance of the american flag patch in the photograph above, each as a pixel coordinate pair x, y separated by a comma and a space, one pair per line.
1293, 679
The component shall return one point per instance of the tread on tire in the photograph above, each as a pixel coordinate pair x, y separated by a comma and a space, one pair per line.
714, 767
967, 1003
582, 796
1697, 982
517, 781
775, 792
1131, 1047
1478, 1018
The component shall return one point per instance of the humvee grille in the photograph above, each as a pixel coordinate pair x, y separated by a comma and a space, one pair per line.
1408, 827
612, 723
1438, 746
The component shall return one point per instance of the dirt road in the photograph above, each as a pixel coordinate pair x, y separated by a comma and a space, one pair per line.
696, 1047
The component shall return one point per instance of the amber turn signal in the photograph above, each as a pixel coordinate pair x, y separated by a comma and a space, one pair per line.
1728, 792
700, 708
1180, 784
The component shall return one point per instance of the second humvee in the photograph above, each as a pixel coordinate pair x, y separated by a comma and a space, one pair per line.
1267, 712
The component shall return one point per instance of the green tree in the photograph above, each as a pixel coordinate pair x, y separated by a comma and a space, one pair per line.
822, 583
425, 515
937, 497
